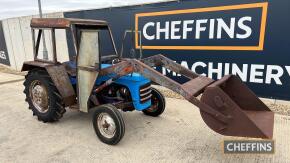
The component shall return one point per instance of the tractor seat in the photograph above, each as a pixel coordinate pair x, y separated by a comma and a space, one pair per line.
70, 67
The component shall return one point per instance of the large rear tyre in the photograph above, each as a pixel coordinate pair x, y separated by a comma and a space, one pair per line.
108, 124
42, 96
157, 104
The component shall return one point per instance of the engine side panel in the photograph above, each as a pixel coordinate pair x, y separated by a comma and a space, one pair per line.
133, 82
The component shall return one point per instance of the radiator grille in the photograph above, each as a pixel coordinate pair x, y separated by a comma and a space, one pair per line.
145, 93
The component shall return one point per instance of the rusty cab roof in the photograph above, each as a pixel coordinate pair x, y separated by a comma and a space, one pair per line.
64, 22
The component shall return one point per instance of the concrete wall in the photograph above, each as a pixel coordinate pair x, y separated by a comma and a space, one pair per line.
18, 38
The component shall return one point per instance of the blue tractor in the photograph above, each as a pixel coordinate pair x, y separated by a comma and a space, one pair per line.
133, 89
49, 90
105, 84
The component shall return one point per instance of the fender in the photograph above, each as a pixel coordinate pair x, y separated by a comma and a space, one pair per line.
59, 76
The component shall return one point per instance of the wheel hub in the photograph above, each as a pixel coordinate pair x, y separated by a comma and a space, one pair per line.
39, 96
106, 125
154, 104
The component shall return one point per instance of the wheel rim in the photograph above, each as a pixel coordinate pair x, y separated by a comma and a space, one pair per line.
155, 104
39, 96
106, 125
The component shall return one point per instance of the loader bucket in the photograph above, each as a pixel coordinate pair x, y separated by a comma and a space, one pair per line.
248, 115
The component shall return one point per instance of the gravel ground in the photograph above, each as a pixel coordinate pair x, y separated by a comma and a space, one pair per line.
178, 135
7, 69
280, 108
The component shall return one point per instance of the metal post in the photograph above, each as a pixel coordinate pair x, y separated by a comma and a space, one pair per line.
140, 43
45, 53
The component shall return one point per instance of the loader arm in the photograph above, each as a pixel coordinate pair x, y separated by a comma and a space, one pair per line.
160, 60
222, 110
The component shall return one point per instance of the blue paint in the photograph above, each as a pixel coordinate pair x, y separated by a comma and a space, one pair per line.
132, 81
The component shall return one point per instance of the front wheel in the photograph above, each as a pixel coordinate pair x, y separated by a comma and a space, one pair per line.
157, 104
108, 124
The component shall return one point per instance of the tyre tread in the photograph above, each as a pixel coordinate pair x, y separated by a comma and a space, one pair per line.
57, 108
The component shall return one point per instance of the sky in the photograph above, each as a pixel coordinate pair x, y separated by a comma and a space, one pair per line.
15, 8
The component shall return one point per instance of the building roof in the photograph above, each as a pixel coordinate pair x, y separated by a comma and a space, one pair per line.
64, 22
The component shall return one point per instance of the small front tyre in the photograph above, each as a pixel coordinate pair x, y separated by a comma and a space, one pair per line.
108, 124
157, 104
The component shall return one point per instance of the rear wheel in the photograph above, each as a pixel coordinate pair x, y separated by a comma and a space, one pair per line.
42, 96
108, 124
157, 104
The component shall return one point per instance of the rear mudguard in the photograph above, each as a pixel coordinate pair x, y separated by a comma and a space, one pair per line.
59, 76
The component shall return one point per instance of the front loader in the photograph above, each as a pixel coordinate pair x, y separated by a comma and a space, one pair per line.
106, 84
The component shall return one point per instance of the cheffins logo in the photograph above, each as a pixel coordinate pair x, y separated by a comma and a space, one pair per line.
236, 27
